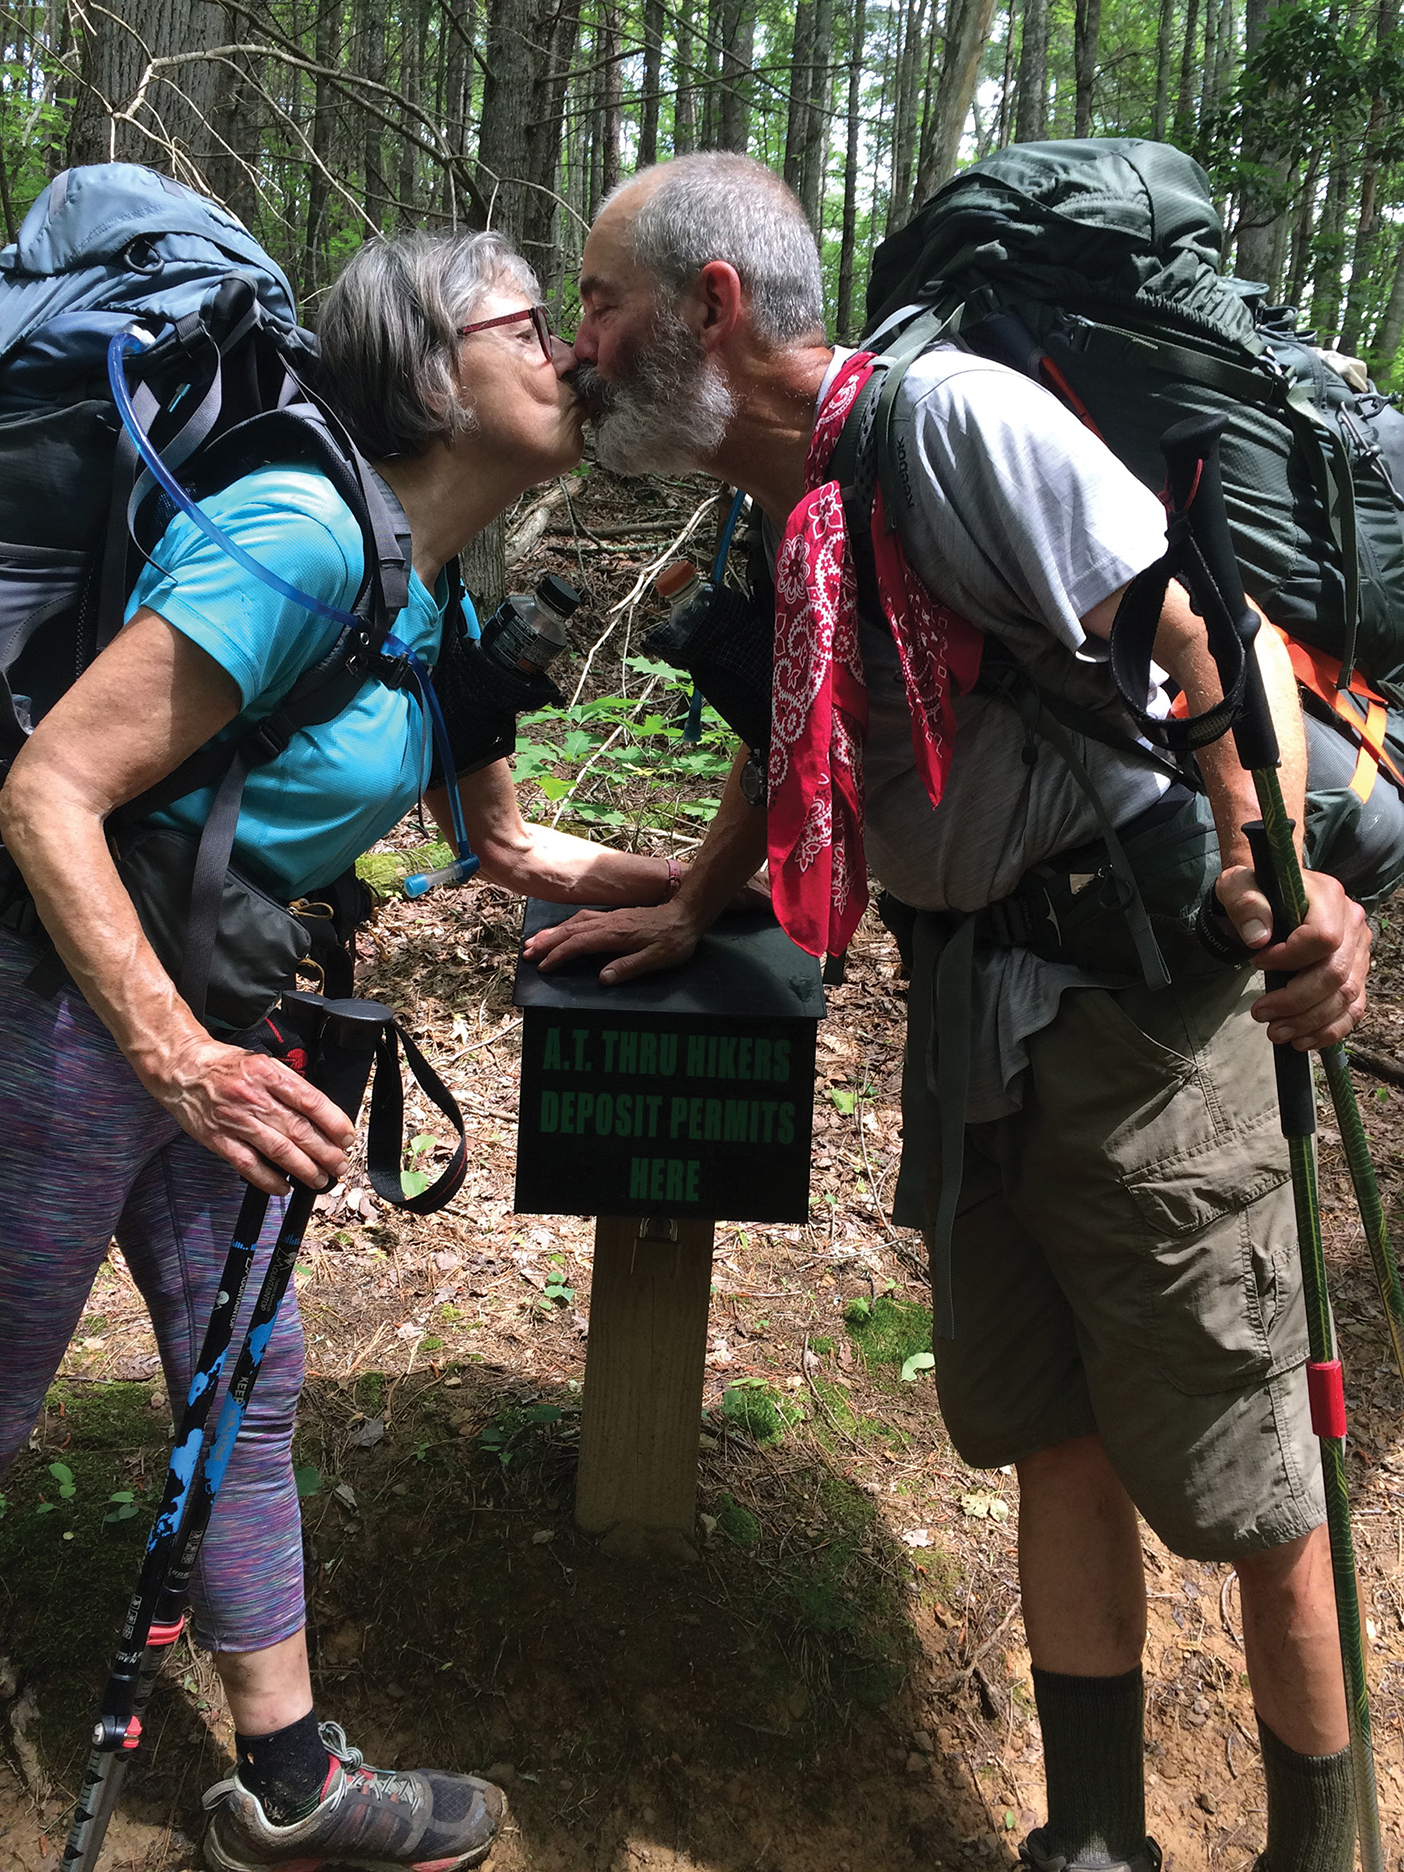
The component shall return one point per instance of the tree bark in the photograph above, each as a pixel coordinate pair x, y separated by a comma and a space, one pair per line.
1301, 238
114, 55
843, 316
904, 133
1087, 31
611, 100
1031, 105
711, 58
1330, 253
685, 95
1367, 227
738, 52
1184, 101
818, 119
484, 562
1160, 119
555, 36
377, 189
323, 124
967, 29
1385, 349
797, 113
652, 69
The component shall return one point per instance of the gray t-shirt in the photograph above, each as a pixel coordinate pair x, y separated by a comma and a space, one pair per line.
1021, 521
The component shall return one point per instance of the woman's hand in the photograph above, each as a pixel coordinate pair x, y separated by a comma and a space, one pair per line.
254, 1112
1327, 956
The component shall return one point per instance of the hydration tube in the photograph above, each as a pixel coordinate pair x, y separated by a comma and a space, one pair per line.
137, 340
692, 728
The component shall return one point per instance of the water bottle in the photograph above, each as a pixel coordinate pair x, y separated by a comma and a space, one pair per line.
681, 586
528, 629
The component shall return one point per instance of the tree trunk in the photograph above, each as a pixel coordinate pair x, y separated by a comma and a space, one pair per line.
652, 68
843, 317
1160, 120
327, 52
484, 563
1301, 237
738, 51
415, 29
904, 132
1087, 31
377, 189
818, 118
236, 119
1367, 227
1330, 253
1391, 329
711, 102
797, 114
555, 36
611, 100
1005, 121
507, 100
685, 99
113, 60
967, 29
922, 187
1031, 105
1184, 101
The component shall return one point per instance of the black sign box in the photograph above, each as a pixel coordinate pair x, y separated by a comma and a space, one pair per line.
686, 1094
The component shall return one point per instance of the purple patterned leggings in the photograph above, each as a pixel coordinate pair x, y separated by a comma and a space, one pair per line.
86, 1154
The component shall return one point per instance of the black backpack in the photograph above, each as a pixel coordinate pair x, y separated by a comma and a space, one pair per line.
1092, 267
228, 386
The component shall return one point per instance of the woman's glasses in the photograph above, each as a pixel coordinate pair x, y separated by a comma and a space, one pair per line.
540, 324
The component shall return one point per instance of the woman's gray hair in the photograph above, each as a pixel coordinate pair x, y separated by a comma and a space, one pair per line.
388, 334
719, 206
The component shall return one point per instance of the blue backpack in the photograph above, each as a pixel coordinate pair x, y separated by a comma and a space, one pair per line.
223, 383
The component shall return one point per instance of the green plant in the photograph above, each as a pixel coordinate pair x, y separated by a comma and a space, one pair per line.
123, 1509
307, 1479
556, 1292
68, 1488
415, 1180
505, 1435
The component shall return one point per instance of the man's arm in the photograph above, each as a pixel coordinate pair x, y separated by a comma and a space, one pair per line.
1329, 955
646, 940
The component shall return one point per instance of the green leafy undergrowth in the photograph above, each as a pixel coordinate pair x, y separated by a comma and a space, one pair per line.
890, 1332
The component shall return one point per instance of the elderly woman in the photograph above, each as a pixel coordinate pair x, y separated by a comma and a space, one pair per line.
122, 1116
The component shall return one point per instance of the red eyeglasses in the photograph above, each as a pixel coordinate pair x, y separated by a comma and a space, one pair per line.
540, 324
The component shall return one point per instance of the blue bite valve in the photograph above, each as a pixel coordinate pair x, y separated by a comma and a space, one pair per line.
458, 872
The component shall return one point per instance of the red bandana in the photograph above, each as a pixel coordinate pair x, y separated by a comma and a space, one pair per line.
818, 876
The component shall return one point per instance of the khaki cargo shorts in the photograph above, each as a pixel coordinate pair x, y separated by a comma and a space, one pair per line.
1125, 1263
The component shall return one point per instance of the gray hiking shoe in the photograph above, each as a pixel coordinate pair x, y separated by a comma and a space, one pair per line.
1039, 1852
376, 1819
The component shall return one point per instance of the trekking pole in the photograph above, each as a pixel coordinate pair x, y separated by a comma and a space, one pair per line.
340, 1038
1191, 450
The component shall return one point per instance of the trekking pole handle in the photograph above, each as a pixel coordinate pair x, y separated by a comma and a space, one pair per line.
1191, 452
340, 1037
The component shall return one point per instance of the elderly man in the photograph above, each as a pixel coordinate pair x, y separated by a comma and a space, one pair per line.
1128, 1328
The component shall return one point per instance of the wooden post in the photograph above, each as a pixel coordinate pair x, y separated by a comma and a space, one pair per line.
642, 1410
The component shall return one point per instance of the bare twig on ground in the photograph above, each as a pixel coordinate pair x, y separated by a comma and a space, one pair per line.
1378, 1065
529, 532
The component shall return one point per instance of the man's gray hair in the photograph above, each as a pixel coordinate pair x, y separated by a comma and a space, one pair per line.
719, 206
388, 334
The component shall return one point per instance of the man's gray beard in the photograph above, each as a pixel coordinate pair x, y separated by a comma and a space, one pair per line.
670, 415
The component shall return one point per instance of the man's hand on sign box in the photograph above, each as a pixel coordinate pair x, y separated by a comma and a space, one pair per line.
641, 941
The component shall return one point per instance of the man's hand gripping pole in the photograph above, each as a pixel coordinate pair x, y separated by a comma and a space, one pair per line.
1201, 543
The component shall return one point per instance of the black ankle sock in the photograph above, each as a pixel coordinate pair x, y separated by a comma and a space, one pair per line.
286, 1770
1092, 1757
1310, 1808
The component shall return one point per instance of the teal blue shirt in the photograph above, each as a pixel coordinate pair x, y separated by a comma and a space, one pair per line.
337, 787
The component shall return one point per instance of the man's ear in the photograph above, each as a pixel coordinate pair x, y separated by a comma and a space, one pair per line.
719, 303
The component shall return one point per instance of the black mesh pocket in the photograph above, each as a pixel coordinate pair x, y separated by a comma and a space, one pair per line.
481, 702
727, 645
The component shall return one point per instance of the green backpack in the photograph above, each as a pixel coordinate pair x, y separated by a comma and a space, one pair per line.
1092, 267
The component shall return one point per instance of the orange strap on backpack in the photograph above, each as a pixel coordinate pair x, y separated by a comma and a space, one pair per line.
1365, 714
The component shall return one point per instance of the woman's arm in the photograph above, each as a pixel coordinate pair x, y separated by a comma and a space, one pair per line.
538, 861
148, 701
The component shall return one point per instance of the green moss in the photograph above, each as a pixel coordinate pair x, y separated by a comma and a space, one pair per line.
737, 1523
889, 1331
763, 1413
385, 872
824, 1347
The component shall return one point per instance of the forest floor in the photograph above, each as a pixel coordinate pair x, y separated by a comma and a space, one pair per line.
840, 1679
